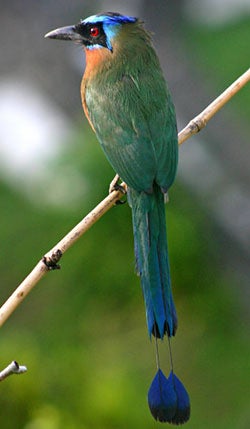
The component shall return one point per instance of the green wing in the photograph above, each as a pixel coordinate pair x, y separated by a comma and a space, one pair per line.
134, 120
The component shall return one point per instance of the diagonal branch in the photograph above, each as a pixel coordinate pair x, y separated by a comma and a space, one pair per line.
200, 121
50, 260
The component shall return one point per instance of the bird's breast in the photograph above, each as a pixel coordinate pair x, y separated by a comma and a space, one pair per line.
96, 60
84, 103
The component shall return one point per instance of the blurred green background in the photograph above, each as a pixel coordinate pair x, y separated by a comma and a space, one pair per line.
82, 332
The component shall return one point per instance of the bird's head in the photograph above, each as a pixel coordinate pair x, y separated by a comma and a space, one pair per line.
94, 32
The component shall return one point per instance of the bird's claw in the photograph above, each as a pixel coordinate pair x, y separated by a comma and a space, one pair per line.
115, 186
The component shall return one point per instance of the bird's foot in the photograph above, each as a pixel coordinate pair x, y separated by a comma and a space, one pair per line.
116, 186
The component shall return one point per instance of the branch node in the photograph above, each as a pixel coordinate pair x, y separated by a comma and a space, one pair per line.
197, 124
51, 261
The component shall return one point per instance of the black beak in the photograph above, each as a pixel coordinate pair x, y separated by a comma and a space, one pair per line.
65, 33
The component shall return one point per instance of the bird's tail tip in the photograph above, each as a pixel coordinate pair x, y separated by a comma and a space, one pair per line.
168, 399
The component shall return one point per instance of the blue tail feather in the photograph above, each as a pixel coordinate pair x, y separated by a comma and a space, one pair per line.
162, 398
182, 413
151, 252
168, 399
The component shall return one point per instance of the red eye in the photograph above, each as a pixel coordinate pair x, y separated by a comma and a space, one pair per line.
94, 31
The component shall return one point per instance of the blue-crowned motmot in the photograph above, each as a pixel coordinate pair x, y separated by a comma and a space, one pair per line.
128, 105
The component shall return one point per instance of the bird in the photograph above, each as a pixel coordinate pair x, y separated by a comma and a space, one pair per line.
127, 102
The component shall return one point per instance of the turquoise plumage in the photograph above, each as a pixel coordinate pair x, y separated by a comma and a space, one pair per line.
127, 102
149, 226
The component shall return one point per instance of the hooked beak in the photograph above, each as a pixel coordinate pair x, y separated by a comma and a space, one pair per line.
66, 33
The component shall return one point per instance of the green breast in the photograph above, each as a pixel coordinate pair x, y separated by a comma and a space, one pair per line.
134, 118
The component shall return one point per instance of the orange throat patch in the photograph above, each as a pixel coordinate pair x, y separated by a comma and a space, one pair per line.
95, 58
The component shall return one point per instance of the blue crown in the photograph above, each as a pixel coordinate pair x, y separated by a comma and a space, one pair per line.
109, 18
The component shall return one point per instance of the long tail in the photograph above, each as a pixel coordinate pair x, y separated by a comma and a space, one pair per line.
168, 399
151, 252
